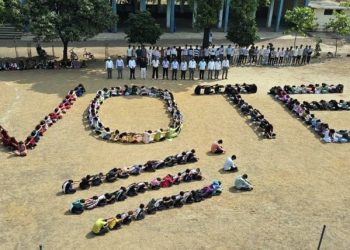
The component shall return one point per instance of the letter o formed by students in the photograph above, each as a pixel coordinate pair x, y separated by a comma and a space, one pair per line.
105, 133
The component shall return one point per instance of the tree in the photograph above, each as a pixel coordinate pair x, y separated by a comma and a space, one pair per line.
243, 29
206, 16
302, 19
11, 12
142, 28
340, 25
69, 20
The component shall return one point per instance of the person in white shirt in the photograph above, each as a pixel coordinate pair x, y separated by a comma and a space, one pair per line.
155, 65
184, 53
174, 67
183, 67
260, 55
212, 51
128, 53
235, 55
281, 56
109, 68
266, 55
242, 183
202, 64
165, 65
192, 67
173, 52
119, 64
150, 55
217, 68
143, 68
132, 66
147, 137
300, 54
206, 54
225, 65
295, 54
211, 68
230, 165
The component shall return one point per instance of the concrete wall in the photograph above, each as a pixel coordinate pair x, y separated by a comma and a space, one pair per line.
322, 19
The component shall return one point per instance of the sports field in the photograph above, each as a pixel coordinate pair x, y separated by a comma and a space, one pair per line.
300, 184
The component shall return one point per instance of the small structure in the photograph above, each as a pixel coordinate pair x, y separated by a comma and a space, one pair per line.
324, 10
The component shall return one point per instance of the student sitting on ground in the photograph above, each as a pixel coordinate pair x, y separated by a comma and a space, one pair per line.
135, 170
100, 227
230, 165
126, 217
112, 175
114, 223
120, 195
21, 149
242, 183
139, 213
131, 190
77, 207
196, 174
141, 187
216, 147
85, 182
67, 187
155, 183
91, 203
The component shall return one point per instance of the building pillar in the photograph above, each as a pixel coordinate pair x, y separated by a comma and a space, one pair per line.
306, 3
172, 16
194, 13
114, 11
168, 10
279, 15
221, 11
143, 5
270, 14
227, 14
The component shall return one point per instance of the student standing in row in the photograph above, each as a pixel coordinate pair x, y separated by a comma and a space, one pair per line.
192, 67
109, 68
132, 66
202, 64
174, 67
143, 67
165, 65
120, 66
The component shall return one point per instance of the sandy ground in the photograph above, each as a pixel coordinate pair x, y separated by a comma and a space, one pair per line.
300, 183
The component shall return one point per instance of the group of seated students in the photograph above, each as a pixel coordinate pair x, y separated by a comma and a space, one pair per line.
20, 147
148, 136
103, 226
327, 105
302, 111
185, 157
40, 64
134, 189
233, 93
322, 88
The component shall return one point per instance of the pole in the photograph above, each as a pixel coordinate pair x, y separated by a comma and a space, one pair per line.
143, 5
279, 15
172, 16
270, 14
319, 244
114, 11
221, 14
227, 14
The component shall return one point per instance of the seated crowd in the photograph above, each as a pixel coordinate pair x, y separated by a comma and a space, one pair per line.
131, 137
185, 157
322, 88
103, 226
302, 111
233, 94
20, 147
134, 189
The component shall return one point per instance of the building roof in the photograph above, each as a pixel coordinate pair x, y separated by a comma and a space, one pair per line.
326, 4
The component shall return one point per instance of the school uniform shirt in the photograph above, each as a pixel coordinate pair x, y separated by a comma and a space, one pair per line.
183, 66
119, 63
155, 63
165, 64
236, 51
190, 52
212, 51
217, 65
295, 52
132, 64
281, 54
206, 52
168, 52
225, 63
196, 52
229, 164
217, 52
173, 51
300, 51
174, 65
228, 51
185, 52
109, 64
241, 183
202, 65
211, 65
129, 52
192, 64
221, 51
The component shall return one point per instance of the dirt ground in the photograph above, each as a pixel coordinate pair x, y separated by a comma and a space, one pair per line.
300, 183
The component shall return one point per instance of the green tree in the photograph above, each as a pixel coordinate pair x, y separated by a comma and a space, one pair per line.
69, 20
206, 16
302, 19
142, 28
11, 12
243, 29
340, 25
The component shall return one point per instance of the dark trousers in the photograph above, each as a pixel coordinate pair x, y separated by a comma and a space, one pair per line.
109, 73
191, 74
165, 73
201, 74
155, 73
174, 74
298, 60
217, 73
308, 59
183, 74
303, 61
132, 73
210, 74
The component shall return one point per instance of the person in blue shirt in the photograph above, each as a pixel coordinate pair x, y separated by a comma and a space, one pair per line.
202, 64
174, 67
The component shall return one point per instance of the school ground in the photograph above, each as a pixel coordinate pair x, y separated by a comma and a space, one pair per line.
300, 183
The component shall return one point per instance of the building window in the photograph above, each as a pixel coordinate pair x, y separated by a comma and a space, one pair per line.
339, 11
328, 12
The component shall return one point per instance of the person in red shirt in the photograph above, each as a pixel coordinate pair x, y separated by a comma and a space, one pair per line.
216, 147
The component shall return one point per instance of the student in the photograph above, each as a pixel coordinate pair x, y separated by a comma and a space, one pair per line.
242, 183
143, 67
216, 147
139, 213
217, 68
225, 66
21, 149
202, 64
77, 207
211, 68
155, 64
174, 67
132, 66
67, 187
192, 67
183, 67
85, 182
109, 68
230, 165
119, 64
100, 227
165, 65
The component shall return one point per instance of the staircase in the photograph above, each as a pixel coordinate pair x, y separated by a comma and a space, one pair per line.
8, 32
